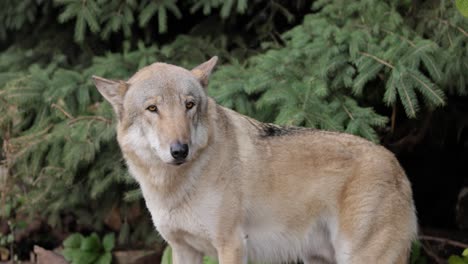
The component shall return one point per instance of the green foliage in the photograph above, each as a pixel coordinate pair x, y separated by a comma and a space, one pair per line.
64, 149
55, 153
15, 15
417, 256
7, 239
8, 211
106, 18
79, 249
167, 258
336, 63
463, 259
85, 14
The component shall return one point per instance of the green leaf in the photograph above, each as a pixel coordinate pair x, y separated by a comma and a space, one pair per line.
209, 260
462, 6
108, 242
415, 251
85, 257
106, 258
73, 241
10, 238
67, 254
71, 254
91, 243
456, 260
167, 256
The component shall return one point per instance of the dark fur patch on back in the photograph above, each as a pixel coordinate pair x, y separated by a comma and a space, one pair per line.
272, 130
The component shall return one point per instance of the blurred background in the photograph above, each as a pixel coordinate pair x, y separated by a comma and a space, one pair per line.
394, 72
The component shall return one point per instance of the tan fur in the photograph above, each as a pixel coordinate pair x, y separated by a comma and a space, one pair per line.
254, 190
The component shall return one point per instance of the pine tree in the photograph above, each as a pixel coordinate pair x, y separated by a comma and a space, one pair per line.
345, 56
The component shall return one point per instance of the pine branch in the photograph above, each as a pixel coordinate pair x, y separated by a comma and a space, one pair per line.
82, 118
386, 63
62, 110
348, 112
439, 98
408, 103
389, 32
452, 25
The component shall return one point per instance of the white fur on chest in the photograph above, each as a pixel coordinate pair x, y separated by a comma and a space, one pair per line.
195, 219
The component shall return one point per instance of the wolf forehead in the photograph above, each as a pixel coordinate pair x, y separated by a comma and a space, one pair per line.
165, 80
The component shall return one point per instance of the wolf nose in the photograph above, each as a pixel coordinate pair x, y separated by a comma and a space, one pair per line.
179, 151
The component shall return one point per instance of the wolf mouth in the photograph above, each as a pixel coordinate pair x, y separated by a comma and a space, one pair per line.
178, 163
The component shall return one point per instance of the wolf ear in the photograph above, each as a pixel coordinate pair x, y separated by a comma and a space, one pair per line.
113, 91
202, 72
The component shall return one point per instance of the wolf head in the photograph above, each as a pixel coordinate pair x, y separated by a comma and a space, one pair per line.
161, 111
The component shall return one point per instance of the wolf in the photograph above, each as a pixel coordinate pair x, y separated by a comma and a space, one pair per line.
222, 184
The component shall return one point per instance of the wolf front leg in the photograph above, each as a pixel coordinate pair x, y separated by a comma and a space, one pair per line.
184, 254
233, 251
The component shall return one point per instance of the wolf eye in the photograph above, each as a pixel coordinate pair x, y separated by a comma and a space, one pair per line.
152, 108
189, 105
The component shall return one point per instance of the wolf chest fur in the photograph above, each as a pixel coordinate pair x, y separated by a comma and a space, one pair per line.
222, 184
